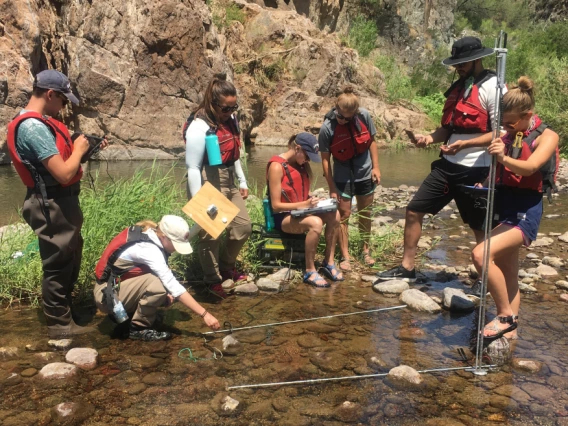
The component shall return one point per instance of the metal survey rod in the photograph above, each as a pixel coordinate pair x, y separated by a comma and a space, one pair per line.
229, 330
501, 52
336, 379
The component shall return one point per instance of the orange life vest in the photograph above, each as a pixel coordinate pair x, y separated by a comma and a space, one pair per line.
295, 181
349, 139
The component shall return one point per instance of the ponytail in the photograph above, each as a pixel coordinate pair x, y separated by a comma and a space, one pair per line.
218, 87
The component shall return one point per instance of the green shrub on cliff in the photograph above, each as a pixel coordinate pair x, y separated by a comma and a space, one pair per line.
362, 35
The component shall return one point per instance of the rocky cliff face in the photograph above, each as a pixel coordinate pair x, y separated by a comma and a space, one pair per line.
140, 66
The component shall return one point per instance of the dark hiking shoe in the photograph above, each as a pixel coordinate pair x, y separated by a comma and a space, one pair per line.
217, 290
398, 273
476, 288
149, 335
69, 330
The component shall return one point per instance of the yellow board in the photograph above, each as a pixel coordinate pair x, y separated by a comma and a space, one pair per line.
197, 207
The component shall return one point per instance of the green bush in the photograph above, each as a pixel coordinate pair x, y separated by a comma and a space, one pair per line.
432, 105
362, 35
398, 84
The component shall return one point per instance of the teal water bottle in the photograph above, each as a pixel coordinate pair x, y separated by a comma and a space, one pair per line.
268, 218
213, 149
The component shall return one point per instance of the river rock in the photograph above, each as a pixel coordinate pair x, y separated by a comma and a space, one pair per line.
564, 237
514, 392
309, 341
553, 261
532, 256
404, 377
391, 287
61, 344
456, 300
228, 284
158, 378
8, 352
368, 278
84, 358
527, 365
228, 404
498, 352
419, 301
29, 372
564, 297
425, 243
542, 242
348, 412
253, 337
562, 284
248, 289
11, 379
381, 220
546, 271
527, 288
71, 412
266, 284
283, 274
538, 391
410, 334
58, 371
229, 341
331, 362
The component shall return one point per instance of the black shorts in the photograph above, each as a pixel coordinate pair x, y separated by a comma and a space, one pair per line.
443, 185
349, 189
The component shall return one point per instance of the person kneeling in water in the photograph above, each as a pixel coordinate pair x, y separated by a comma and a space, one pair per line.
521, 154
138, 257
288, 176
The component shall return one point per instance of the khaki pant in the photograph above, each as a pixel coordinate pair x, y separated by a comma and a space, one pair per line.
212, 259
60, 247
141, 297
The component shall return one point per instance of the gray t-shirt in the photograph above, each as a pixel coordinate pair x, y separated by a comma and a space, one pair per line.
35, 141
359, 167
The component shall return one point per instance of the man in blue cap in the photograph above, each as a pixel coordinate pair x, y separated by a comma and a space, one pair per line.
465, 132
49, 164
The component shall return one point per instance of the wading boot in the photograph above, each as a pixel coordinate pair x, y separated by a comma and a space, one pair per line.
64, 327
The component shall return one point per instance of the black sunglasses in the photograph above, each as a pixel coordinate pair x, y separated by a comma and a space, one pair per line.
64, 99
341, 117
226, 109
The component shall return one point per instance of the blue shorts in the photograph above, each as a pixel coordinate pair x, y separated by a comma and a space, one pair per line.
521, 210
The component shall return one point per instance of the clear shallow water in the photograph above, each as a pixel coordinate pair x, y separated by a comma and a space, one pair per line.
149, 384
408, 167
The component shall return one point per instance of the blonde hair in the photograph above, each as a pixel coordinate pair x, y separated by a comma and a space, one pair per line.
520, 98
291, 145
149, 224
347, 101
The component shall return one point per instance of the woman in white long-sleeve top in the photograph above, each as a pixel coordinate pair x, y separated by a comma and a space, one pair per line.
216, 113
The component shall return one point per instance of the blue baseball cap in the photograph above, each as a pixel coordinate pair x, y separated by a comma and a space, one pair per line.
310, 145
54, 80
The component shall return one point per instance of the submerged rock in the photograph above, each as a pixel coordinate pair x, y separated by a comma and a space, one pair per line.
497, 352
404, 377
418, 301
528, 365
228, 404
71, 412
456, 300
61, 344
84, 358
348, 412
391, 287
58, 371
7, 353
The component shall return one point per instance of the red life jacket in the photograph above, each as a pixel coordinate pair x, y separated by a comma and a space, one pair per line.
229, 140
349, 139
106, 269
295, 181
25, 168
462, 111
544, 180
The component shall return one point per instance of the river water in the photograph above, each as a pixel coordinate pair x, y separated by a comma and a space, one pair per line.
156, 384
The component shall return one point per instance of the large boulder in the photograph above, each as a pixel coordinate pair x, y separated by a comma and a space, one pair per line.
419, 301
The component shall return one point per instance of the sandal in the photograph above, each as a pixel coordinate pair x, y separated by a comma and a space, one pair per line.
345, 265
492, 326
315, 280
331, 272
367, 258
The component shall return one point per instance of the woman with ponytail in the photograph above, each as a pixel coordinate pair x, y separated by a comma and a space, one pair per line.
137, 259
217, 114
348, 135
522, 157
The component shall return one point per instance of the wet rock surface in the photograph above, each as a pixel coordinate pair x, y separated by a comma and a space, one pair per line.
84, 358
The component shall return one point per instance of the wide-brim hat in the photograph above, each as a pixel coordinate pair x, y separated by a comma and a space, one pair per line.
467, 49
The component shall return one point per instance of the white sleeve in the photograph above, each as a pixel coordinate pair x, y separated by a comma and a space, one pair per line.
150, 255
194, 153
487, 93
240, 175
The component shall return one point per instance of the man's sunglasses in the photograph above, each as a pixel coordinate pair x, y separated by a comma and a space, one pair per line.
64, 99
341, 117
226, 109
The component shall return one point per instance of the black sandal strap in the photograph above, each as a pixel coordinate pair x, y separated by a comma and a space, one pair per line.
511, 319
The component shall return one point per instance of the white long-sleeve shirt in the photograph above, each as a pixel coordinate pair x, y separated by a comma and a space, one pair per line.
145, 253
195, 153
